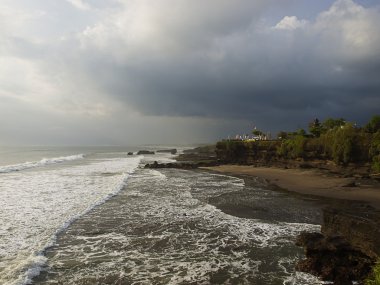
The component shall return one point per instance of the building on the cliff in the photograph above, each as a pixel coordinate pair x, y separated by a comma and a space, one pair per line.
246, 137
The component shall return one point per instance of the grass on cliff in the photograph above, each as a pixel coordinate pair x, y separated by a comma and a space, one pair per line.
374, 279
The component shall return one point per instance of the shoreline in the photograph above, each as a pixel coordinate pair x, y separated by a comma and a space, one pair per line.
347, 247
309, 182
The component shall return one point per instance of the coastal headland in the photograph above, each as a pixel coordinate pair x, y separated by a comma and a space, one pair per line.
348, 245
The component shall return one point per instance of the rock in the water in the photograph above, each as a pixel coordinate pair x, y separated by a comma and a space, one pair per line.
130, 153
171, 165
180, 165
145, 152
172, 151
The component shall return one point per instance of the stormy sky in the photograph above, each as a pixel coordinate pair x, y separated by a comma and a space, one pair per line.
122, 72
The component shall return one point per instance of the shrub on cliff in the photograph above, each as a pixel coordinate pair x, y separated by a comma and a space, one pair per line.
331, 123
333, 139
343, 146
293, 147
374, 279
341, 143
314, 148
374, 152
376, 164
373, 125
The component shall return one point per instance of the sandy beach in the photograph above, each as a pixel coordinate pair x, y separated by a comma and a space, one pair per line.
310, 182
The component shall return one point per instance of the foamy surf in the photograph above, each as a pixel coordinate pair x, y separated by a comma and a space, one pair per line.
42, 162
161, 229
36, 206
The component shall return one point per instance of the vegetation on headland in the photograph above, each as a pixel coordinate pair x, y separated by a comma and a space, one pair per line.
374, 278
333, 139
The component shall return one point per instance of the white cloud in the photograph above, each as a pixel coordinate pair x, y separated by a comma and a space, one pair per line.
290, 23
169, 27
348, 30
79, 4
14, 20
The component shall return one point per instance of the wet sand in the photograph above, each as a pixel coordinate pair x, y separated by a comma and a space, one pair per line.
310, 182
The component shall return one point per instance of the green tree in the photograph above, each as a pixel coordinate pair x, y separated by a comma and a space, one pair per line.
293, 147
301, 132
343, 144
374, 152
374, 278
315, 128
373, 125
331, 123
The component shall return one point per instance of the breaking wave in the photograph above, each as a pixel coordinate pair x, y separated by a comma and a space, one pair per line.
42, 162
37, 206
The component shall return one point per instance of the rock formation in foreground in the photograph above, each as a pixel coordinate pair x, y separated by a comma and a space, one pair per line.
348, 246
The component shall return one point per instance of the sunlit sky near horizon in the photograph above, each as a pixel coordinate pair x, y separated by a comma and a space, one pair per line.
127, 72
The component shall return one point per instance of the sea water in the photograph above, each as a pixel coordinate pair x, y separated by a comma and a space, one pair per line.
96, 216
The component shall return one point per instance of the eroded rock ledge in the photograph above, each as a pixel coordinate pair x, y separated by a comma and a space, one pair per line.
180, 165
348, 246
333, 258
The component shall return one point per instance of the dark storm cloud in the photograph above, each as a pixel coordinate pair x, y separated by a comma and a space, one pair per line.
327, 67
197, 66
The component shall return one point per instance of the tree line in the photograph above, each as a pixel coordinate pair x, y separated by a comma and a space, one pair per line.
334, 139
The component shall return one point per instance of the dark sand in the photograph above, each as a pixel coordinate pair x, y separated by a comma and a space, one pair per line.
310, 182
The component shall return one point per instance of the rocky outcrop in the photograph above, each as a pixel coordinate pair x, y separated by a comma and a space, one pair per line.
130, 153
348, 246
199, 154
265, 153
156, 165
333, 258
145, 152
180, 165
358, 223
172, 151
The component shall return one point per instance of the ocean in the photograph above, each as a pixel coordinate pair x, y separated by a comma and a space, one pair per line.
91, 215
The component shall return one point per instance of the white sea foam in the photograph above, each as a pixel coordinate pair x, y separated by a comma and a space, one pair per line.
173, 236
195, 239
36, 206
42, 162
303, 278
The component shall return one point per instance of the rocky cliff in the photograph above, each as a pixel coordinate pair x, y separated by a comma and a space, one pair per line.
266, 153
347, 247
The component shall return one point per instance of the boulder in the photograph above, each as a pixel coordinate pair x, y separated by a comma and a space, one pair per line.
145, 152
130, 153
172, 151
181, 165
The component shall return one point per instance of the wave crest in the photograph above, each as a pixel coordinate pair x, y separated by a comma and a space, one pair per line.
42, 162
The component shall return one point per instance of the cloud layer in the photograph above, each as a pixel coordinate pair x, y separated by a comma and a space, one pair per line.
193, 65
